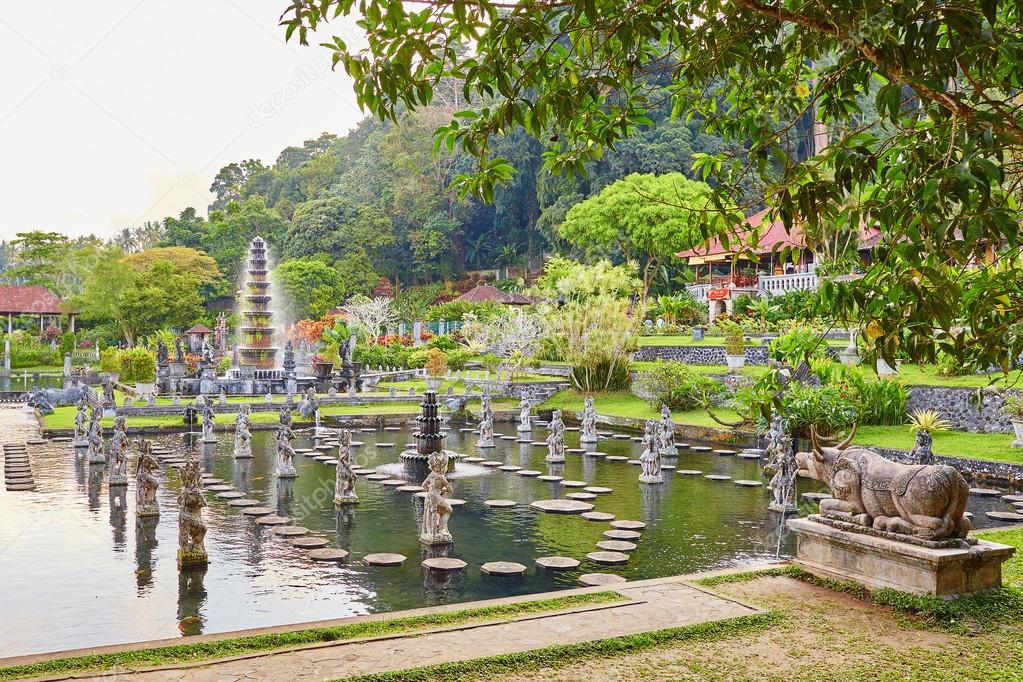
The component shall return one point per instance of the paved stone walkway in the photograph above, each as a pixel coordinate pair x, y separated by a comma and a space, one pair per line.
655, 605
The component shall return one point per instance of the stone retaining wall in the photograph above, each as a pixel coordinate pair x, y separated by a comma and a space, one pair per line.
698, 355
971, 469
953, 403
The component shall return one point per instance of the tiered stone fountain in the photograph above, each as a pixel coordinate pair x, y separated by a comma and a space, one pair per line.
428, 437
256, 352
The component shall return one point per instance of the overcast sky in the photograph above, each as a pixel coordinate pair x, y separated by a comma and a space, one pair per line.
121, 111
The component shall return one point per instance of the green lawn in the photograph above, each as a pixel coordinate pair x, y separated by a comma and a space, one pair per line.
927, 375
628, 405
747, 370
991, 446
687, 340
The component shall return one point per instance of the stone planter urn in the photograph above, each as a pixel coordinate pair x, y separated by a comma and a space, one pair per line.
322, 370
109, 376
849, 356
1017, 426
432, 383
735, 362
144, 389
886, 370
698, 333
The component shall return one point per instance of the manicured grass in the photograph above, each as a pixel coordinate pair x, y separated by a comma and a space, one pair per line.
927, 375
687, 340
628, 405
991, 446
202, 651
747, 370
1012, 570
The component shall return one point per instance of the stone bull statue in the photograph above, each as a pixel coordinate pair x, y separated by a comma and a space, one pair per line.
923, 501
45, 399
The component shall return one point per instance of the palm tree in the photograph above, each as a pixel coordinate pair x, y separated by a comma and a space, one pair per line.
477, 250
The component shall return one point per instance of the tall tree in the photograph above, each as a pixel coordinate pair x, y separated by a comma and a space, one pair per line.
39, 258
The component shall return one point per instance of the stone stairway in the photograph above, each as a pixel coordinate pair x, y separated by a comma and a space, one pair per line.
17, 468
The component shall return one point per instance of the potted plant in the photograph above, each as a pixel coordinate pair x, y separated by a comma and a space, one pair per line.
735, 346
1013, 408
322, 367
143, 369
436, 365
924, 423
110, 365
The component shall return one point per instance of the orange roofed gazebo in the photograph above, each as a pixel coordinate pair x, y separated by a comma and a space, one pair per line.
33, 300
482, 293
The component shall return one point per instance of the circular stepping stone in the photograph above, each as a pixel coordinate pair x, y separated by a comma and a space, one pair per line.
816, 497
617, 534
273, 520
609, 558
502, 568
617, 545
1013, 498
385, 445
392, 428
231, 495
581, 496
575, 451
325, 447
35, 441
302, 451
394, 482
634, 462
749, 454
529, 473
717, 477
1004, 516
455, 502
616, 458
363, 472
508, 437
548, 478
668, 467
357, 443
985, 492
539, 443
368, 429
598, 516
628, 525
562, 506
243, 502
724, 452
322, 458
473, 460
444, 563
622, 436
499, 504
408, 488
748, 484
211, 480
378, 477
309, 543
258, 511
597, 579
598, 490
291, 531
220, 488
492, 463
326, 553
384, 559
700, 448
509, 467
557, 563
574, 484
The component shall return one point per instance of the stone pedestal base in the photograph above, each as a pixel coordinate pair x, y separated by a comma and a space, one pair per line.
789, 508
118, 479
524, 427
192, 557
97, 458
288, 473
342, 500
147, 510
439, 539
876, 563
486, 443
647, 478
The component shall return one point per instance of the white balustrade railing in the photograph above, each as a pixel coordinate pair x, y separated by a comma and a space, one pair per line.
699, 291
779, 284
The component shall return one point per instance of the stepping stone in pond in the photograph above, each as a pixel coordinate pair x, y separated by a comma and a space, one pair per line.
610, 558
625, 524
378, 477
717, 477
985, 492
15, 487
36, 441
219, 488
467, 430
700, 448
502, 568
529, 473
363, 472
508, 437
368, 429
748, 484
574, 484
473, 460
500, 504
617, 546
443, 563
385, 445
243, 502
211, 481
291, 531
392, 428
667, 467
302, 451
455, 502
322, 458
231, 495
581, 496
634, 462
309, 543
637, 439
357, 443
724, 452
617, 534
1013, 498
557, 563
598, 490
273, 520
384, 559
562, 506
622, 436
509, 467
491, 463
575, 451
968, 515
258, 511
571, 428
598, 516
616, 458
816, 497
549, 478
408, 488
1004, 516
394, 482
539, 443
324, 447
598, 579
1017, 504
330, 462
326, 553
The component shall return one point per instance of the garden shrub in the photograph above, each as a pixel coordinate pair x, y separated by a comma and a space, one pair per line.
549, 351
879, 401
417, 358
490, 361
110, 361
801, 343
67, 343
828, 408
677, 386
798, 304
603, 374
458, 358
138, 365
444, 343
436, 362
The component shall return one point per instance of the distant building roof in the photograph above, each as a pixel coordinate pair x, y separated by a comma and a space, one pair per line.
31, 299
199, 329
485, 292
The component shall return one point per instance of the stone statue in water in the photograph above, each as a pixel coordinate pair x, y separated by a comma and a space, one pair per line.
667, 431
242, 432
588, 422
208, 421
344, 481
96, 455
436, 509
556, 439
118, 453
146, 481
81, 430
285, 451
783, 483
191, 527
486, 426
525, 407
650, 460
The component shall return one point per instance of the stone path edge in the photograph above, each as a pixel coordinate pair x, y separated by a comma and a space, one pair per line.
686, 579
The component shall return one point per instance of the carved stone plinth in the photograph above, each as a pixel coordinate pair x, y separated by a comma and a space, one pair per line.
876, 562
